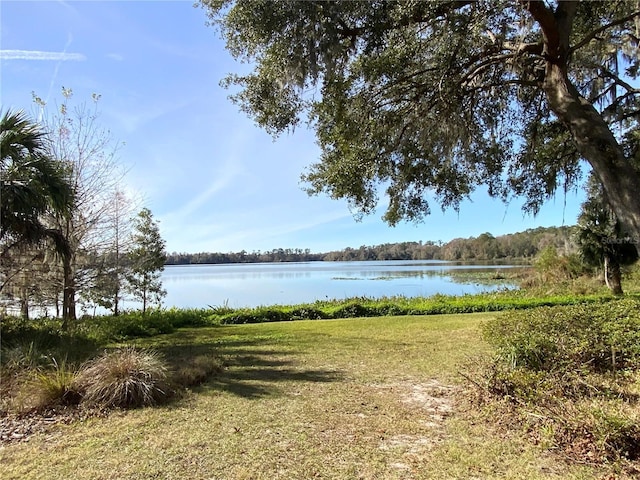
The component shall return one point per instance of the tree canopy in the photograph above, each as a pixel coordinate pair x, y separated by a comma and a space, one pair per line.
147, 257
76, 139
428, 100
31, 184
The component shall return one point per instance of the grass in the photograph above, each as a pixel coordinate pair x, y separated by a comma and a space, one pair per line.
126, 378
36, 388
364, 398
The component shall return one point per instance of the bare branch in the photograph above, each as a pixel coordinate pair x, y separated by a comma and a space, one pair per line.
617, 80
593, 34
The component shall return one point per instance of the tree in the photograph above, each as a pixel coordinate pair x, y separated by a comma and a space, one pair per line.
601, 239
78, 141
31, 184
110, 265
147, 258
436, 98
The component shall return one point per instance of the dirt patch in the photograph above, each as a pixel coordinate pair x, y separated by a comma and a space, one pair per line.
435, 398
434, 402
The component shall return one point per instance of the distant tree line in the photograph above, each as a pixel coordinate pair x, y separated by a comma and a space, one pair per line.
514, 246
275, 255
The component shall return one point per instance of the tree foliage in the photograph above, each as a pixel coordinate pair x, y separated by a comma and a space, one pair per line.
601, 238
424, 100
146, 260
32, 184
513, 246
77, 140
110, 265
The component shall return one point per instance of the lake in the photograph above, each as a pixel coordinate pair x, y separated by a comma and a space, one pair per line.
254, 284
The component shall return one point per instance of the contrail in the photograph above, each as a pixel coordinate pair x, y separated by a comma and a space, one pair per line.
58, 57
37, 55
60, 60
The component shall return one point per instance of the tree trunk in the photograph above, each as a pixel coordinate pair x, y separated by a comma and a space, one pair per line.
606, 272
144, 300
24, 304
612, 275
57, 300
116, 295
68, 293
591, 134
598, 146
116, 302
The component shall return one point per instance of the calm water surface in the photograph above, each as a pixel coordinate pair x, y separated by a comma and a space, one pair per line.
255, 284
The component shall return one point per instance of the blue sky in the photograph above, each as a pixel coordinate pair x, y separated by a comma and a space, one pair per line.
213, 180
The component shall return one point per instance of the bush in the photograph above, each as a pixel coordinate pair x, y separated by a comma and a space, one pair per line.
596, 337
569, 376
353, 309
306, 313
124, 378
135, 324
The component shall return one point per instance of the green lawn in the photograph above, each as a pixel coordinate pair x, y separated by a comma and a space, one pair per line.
374, 398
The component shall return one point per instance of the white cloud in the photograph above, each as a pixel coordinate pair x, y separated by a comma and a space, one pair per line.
38, 55
115, 56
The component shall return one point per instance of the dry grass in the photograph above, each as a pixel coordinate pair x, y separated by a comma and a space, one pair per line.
29, 388
127, 377
356, 399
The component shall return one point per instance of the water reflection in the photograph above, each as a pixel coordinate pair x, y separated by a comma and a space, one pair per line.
250, 285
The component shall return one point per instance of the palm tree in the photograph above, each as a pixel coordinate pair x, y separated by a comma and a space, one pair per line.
31, 184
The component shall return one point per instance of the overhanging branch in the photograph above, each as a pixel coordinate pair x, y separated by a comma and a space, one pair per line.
593, 34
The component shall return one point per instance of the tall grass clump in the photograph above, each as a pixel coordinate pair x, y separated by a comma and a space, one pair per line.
35, 387
125, 378
570, 376
21, 355
55, 385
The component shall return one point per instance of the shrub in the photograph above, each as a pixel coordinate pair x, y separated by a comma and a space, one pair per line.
306, 313
353, 309
595, 337
124, 378
568, 376
128, 325
135, 324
